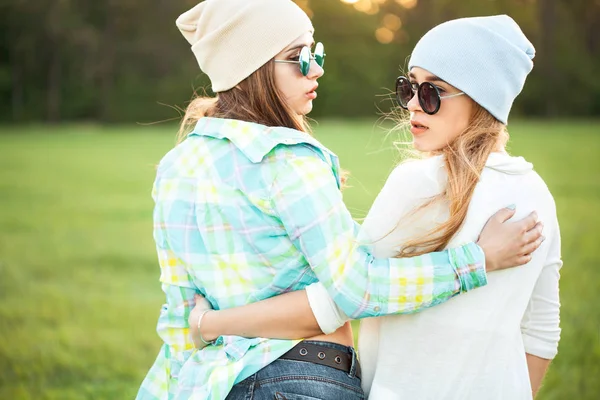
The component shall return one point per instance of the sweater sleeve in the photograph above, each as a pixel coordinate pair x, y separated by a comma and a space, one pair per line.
540, 327
329, 315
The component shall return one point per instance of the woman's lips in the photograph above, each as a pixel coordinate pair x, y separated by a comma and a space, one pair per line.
313, 92
417, 128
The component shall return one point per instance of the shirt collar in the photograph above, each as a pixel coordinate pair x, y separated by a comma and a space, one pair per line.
505, 163
254, 140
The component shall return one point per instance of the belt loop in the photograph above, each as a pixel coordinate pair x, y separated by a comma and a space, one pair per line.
354, 361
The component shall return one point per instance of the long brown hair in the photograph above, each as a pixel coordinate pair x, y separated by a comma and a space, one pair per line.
464, 160
255, 99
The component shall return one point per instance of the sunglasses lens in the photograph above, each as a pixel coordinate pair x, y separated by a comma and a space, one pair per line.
404, 91
320, 54
429, 98
305, 60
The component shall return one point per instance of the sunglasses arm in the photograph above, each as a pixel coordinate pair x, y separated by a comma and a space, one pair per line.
291, 61
452, 95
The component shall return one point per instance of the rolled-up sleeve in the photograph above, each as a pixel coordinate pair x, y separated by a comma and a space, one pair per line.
329, 315
540, 326
306, 198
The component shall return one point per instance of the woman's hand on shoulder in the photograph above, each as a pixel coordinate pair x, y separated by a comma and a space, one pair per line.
510, 244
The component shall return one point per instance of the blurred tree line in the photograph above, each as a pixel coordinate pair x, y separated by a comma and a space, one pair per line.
124, 60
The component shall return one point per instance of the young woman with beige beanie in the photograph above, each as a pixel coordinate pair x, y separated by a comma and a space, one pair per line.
248, 206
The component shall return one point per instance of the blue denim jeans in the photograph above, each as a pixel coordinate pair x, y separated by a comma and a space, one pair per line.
301, 380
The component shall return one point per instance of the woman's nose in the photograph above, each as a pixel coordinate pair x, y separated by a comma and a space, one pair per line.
316, 71
413, 104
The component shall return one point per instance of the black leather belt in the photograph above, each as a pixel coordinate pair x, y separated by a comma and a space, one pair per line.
323, 355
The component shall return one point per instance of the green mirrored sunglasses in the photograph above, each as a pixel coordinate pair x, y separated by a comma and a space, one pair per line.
306, 57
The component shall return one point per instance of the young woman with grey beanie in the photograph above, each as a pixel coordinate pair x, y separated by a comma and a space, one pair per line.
248, 206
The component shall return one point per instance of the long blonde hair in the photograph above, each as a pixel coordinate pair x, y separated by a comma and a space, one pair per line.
255, 99
464, 160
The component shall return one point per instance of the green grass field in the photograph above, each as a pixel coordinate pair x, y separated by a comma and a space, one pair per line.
79, 292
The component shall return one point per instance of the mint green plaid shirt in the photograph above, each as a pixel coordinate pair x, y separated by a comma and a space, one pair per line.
244, 212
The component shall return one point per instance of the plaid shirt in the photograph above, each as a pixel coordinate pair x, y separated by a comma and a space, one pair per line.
245, 212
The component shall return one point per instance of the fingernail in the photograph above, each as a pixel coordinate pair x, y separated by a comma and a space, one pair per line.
512, 207
543, 238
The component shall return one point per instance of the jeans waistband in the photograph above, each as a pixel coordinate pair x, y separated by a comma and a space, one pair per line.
331, 345
332, 355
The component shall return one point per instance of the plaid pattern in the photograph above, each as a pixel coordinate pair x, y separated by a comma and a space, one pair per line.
245, 212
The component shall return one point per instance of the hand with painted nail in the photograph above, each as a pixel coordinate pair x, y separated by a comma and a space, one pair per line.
510, 244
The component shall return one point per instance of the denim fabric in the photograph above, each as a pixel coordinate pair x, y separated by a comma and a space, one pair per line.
299, 380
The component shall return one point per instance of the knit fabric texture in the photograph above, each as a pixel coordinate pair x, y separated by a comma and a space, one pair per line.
233, 38
488, 58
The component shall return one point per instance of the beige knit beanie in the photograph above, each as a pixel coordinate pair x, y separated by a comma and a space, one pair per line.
233, 38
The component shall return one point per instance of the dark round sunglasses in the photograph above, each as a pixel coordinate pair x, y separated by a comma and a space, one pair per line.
427, 93
306, 57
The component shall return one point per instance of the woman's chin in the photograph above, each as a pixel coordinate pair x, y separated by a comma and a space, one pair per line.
306, 108
419, 145
424, 146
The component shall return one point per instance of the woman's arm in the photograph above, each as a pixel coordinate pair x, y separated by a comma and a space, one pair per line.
537, 370
306, 199
294, 315
540, 326
287, 316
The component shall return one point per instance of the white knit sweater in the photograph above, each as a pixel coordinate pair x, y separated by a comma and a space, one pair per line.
473, 346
